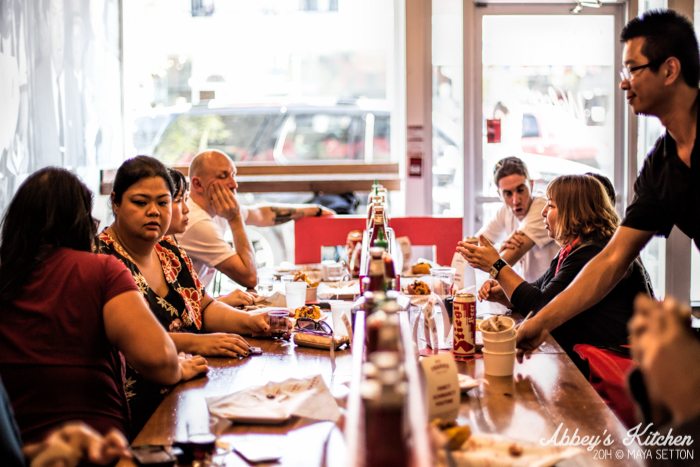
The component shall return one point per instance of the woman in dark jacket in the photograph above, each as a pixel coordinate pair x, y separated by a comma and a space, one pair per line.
581, 219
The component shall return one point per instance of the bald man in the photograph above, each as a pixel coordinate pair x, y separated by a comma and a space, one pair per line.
214, 207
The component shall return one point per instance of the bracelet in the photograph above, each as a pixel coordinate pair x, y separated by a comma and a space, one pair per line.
319, 212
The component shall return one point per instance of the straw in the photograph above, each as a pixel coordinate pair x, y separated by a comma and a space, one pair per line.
526, 318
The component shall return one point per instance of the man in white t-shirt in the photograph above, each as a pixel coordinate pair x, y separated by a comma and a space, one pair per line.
214, 207
519, 222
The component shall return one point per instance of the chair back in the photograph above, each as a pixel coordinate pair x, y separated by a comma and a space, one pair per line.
608, 372
312, 233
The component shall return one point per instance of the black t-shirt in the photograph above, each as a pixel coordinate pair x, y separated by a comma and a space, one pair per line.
604, 324
667, 192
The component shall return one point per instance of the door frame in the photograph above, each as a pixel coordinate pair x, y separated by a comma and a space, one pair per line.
473, 114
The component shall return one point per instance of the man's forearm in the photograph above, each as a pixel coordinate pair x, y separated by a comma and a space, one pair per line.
590, 286
245, 252
275, 214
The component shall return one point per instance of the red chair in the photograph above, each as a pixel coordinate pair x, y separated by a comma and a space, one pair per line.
608, 376
312, 233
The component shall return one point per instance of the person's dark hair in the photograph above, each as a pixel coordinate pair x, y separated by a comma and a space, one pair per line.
667, 34
135, 169
51, 209
607, 184
509, 166
179, 182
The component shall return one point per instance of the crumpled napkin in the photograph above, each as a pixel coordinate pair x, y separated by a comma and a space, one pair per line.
275, 402
276, 300
330, 290
498, 451
427, 304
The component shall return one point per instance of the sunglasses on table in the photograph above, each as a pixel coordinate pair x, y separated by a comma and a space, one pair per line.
313, 327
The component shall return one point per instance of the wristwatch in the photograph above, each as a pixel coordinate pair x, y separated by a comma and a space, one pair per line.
319, 212
496, 267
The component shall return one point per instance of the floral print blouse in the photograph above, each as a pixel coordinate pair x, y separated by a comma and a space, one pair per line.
181, 309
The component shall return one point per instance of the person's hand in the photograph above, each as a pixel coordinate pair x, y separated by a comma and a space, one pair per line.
491, 291
75, 441
223, 200
221, 344
666, 351
191, 366
530, 335
238, 298
513, 242
259, 324
479, 257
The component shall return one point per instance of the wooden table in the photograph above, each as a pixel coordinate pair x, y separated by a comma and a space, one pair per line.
302, 441
546, 390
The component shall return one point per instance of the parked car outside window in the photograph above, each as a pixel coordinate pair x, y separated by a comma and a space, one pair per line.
279, 134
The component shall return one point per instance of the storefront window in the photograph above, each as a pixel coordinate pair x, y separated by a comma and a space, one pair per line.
268, 82
448, 102
275, 82
539, 101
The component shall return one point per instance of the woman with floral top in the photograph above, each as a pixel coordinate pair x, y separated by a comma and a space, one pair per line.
197, 324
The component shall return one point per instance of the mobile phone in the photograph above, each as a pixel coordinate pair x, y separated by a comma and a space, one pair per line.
153, 456
254, 350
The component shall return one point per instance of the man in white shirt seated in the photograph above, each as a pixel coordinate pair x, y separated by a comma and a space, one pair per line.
214, 207
519, 222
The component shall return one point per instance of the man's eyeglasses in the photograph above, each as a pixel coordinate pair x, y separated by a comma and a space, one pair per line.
314, 327
626, 73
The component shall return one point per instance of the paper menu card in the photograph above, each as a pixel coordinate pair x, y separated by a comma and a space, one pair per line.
441, 386
275, 402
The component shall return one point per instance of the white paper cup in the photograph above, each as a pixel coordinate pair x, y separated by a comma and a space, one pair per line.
503, 335
295, 294
498, 363
499, 346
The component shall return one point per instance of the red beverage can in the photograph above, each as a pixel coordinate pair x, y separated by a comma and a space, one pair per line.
464, 325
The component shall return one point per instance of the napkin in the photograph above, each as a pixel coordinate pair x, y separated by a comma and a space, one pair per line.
275, 300
275, 402
498, 451
331, 290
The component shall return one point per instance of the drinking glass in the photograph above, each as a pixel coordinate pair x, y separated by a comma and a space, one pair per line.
265, 286
278, 322
333, 271
442, 279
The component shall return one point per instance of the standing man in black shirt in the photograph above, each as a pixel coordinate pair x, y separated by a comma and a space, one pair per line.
660, 78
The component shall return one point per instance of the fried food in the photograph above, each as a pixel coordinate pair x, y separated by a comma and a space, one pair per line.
418, 288
456, 435
300, 276
420, 268
308, 311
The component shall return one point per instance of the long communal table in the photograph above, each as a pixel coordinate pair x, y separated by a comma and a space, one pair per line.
546, 396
